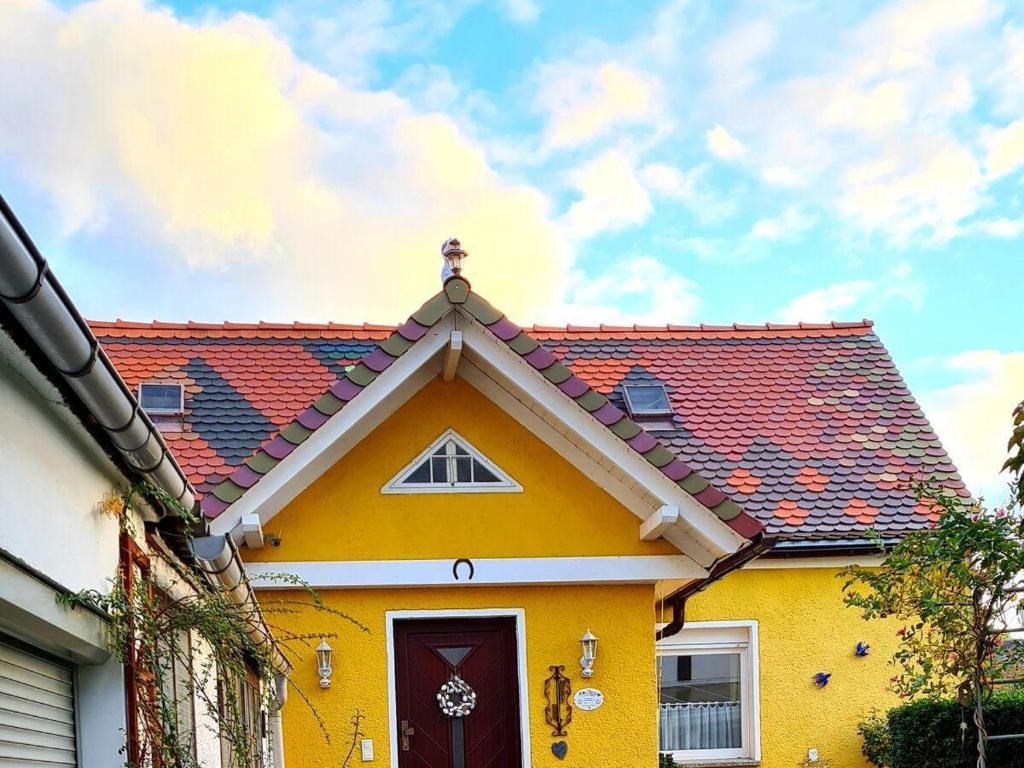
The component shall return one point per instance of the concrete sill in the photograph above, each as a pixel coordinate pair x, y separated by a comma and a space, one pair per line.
733, 762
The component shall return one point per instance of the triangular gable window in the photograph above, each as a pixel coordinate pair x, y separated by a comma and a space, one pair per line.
451, 465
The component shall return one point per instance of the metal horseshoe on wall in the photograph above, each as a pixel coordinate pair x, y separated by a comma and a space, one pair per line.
460, 561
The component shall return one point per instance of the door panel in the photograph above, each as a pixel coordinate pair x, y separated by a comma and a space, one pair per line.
483, 653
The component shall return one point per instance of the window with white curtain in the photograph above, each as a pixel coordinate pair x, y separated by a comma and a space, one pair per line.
707, 678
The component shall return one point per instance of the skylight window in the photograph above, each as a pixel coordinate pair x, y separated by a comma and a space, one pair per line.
451, 465
647, 400
162, 399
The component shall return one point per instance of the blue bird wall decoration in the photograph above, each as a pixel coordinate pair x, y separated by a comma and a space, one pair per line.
862, 649
821, 679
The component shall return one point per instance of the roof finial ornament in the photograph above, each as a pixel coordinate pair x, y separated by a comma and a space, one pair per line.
453, 255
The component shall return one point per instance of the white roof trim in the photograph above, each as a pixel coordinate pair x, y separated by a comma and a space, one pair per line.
479, 572
622, 488
496, 359
505, 483
339, 434
497, 371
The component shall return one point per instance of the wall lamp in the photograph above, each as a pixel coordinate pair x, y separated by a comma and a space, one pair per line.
589, 645
323, 663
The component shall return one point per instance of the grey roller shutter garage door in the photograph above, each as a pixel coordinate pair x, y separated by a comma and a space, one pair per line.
37, 709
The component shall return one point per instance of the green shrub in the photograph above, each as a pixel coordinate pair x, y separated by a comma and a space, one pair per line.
877, 743
927, 734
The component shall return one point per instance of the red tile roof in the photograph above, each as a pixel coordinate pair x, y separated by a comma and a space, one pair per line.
808, 427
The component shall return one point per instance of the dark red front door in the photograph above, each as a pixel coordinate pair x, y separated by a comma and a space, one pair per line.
482, 652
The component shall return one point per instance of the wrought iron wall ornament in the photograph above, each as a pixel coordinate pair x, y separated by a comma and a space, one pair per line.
557, 691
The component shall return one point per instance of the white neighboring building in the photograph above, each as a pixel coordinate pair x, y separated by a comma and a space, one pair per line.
70, 434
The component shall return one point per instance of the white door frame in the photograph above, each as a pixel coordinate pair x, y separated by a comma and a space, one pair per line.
519, 614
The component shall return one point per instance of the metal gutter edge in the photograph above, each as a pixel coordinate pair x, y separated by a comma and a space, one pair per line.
726, 565
37, 301
47, 316
217, 558
831, 548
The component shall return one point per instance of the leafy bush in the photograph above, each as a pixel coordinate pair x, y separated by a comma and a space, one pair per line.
874, 732
928, 734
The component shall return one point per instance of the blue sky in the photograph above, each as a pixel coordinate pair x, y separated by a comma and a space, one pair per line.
602, 161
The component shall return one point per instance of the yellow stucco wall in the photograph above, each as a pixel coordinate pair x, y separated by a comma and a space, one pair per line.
804, 628
612, 735
343, 516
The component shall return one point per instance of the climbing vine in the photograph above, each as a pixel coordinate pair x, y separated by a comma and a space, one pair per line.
184, 642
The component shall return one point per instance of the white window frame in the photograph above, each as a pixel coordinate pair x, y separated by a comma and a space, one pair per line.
507, 484
164, 411
707, 637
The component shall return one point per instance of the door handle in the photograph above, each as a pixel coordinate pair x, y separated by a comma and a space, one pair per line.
406, 731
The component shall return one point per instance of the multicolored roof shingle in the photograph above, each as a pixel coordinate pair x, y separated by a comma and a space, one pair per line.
807, 428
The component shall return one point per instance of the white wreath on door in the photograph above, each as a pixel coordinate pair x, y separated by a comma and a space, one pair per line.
456, 698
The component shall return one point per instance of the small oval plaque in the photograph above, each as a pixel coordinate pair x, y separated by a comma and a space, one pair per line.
588, 699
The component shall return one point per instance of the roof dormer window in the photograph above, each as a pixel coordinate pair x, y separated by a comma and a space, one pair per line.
162, 399
648, 405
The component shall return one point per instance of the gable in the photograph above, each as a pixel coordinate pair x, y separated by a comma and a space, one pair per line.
671, 500
560, 512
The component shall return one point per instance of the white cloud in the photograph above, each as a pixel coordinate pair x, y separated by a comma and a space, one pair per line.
521, 11
824, 304
722, 144
214, 137
733, 57
929, 187
583, 102
1008, 74
688, 187
874, 124
348, 38
1005, 150
637, 290
782, 176
832, 302
612, 197
973, 418
788, 225
1001, 227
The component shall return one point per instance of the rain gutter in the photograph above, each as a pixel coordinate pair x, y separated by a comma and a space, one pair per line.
49, 320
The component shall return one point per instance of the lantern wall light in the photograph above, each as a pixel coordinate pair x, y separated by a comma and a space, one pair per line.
323, 663
588, 643
453, 255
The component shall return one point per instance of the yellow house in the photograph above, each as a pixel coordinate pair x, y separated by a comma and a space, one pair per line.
484, 501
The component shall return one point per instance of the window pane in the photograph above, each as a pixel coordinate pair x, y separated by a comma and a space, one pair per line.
463, 470
440, 464
482, 474
160, 397
646, 398
420, 475
700, 702
459, 450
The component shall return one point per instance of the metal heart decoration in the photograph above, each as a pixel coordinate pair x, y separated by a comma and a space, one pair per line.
559, 749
